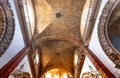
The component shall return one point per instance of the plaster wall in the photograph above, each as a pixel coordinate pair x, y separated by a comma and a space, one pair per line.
26, 67
96, 48
17, 43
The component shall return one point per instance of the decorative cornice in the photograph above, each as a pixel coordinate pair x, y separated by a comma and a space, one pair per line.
8, 21
105, 44
80, 62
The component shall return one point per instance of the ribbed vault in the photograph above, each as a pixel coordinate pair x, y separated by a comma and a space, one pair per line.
58, 17
63, 59
57, 33
49, 50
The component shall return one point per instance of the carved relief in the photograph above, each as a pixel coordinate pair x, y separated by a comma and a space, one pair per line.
6, 25
20, 74
90, 75
109, 50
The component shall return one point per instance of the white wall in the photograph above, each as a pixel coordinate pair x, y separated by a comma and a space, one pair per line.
17, 43
26, 67
96, 48
86, 65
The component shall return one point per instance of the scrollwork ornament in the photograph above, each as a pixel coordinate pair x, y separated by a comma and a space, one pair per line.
105, 44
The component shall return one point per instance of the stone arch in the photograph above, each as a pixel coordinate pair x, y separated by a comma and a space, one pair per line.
61, 38
7, 26
53, 67
106, 45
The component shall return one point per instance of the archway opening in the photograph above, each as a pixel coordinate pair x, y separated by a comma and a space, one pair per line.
56, 73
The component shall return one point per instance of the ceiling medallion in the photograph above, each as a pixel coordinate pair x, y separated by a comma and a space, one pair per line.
6, 25
58, 15
105, 44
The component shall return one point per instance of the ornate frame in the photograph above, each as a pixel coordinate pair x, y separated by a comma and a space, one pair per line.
105, 44
9, 25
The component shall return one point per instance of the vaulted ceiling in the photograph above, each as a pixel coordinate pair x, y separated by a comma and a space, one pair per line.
57, 32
